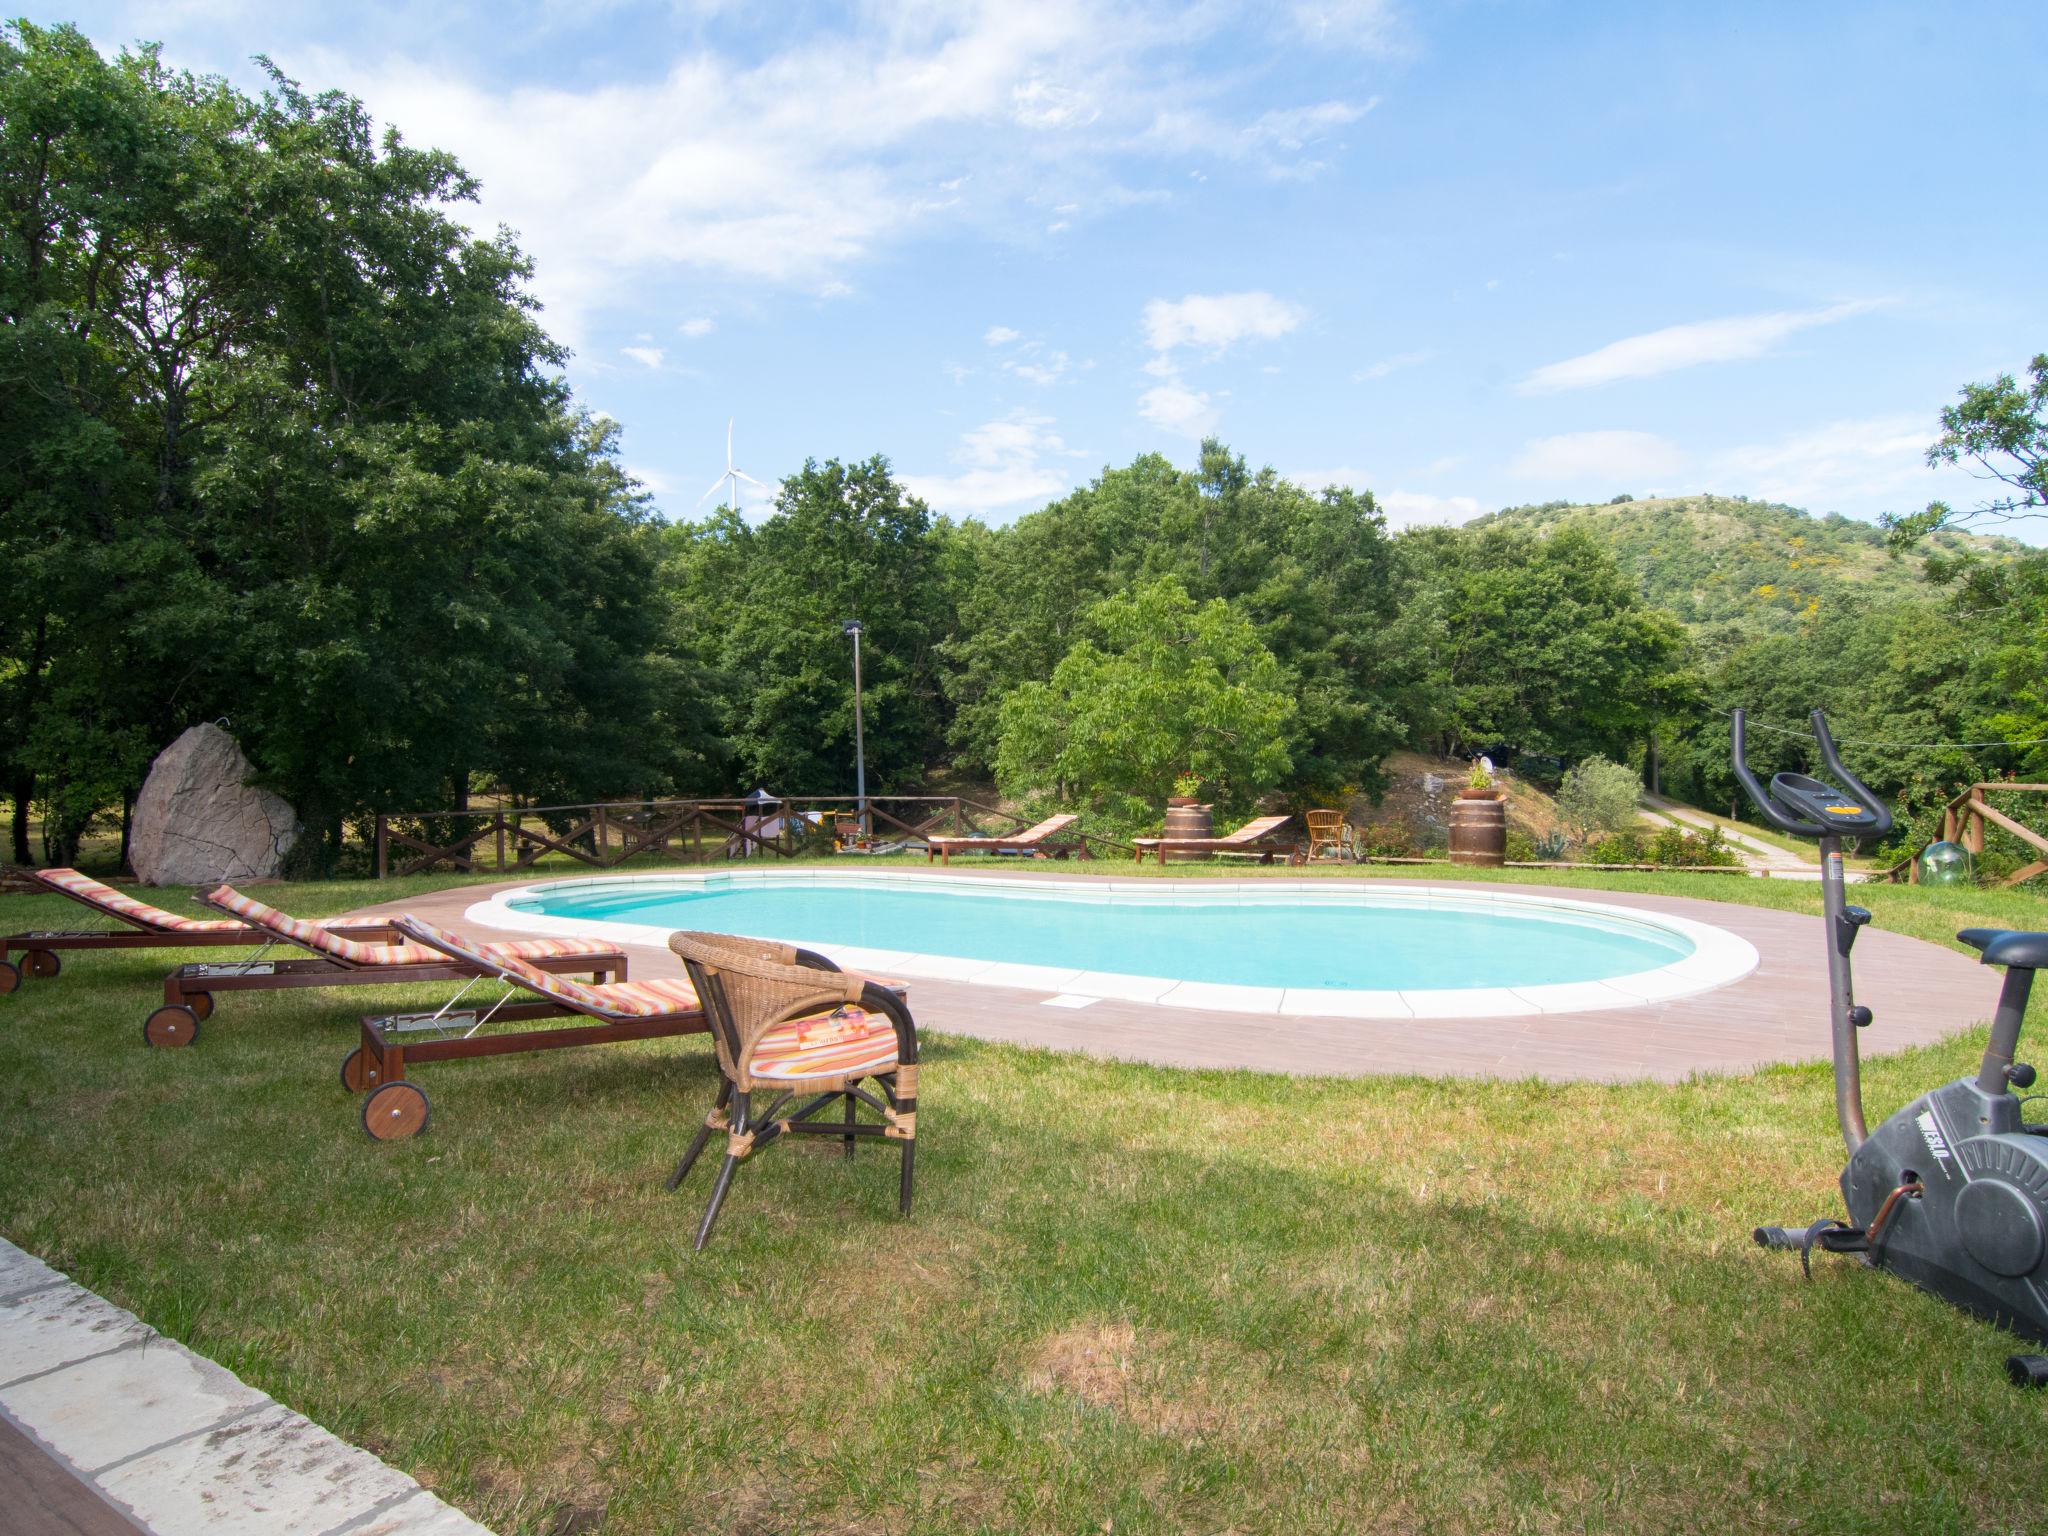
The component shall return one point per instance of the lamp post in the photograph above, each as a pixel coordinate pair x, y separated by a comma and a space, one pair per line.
860, 751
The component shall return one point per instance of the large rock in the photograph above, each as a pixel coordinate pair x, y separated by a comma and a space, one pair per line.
198, 821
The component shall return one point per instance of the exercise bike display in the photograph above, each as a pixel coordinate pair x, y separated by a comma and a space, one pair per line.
1951, 1192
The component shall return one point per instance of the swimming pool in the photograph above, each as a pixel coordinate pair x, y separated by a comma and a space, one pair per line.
1331, 947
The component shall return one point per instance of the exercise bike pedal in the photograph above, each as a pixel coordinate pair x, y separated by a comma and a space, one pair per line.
2027, 1370
1828, 1234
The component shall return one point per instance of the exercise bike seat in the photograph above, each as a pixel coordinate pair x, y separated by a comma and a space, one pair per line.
1999, 946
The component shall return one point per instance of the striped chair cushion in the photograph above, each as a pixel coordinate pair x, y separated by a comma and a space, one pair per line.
617, 999
846, 1042
662, 994
94, 894
420, 954
314, 936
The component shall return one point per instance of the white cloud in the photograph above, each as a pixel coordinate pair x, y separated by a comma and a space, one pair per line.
1211, 323
1042, 104
1008, 465
1387, 365
1000, 335
1874, 464
1214, 322
1281, 142
1175, 408
1345, 475
1403, 509
651, 356
1409, 509
1733, 339
701, 325
792, 167
1369, 26
1040, 367
1588, 463
1860, 467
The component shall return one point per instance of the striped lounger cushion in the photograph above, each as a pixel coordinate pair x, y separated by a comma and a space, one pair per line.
313, 936
140, 913
846, 1042
616, 999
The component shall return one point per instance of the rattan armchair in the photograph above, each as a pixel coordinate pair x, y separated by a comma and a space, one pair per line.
789, 1025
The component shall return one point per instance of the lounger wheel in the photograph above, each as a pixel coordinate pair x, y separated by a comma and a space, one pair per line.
171, 1026
41, 964
201, 1004
10, 977
395, 1111
357, 1075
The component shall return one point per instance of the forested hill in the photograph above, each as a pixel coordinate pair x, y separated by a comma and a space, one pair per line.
1725, 563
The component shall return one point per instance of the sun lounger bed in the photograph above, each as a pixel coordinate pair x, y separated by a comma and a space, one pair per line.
615, 1010
146, 927
337, 962
1041, 841
639, 1010
1255, 839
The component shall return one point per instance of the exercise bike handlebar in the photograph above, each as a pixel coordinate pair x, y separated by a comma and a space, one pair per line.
1799, 826
1848, 780
1766, 806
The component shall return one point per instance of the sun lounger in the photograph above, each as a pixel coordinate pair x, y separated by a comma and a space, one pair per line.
1254, 839
337, 961
623, 1010
616, 1010
1041, 841
146, 927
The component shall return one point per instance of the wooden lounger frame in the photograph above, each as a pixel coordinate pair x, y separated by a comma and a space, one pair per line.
189, 990
1264, 847
385, 1050
39, 948
1056, 843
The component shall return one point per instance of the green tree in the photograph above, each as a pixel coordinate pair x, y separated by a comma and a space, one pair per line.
1540, 644
1599, 795
1315, 573
760, 609
293, 450
1159, 685
2002, 429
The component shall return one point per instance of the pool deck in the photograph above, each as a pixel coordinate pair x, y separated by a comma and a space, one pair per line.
1919, 992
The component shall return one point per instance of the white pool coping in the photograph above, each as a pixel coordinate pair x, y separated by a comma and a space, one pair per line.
1718, 958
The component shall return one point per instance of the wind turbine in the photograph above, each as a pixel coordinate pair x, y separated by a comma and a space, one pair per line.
731, 475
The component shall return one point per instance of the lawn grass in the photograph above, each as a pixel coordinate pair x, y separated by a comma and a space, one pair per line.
1131, 1299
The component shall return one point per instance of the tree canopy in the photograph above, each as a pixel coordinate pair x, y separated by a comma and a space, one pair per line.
1158, 686
286, 445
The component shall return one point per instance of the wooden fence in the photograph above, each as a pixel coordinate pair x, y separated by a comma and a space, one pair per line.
504, 838
1962, 821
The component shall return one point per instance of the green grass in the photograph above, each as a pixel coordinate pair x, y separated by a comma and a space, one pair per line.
1130, 1300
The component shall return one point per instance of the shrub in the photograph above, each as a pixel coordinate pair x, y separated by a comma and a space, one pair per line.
1386, 840
1618, 848
1521, 847
1599, 796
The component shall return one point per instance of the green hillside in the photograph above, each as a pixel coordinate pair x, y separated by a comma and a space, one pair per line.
1731, 567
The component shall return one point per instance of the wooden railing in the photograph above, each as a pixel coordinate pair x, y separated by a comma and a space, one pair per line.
1963, 819
506, 838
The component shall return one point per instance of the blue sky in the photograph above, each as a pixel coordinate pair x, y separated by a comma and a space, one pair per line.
1465, 255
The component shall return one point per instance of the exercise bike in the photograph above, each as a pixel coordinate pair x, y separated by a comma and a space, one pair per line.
1951, 1192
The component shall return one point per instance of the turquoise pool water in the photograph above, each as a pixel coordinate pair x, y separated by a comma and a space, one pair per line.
1310, 941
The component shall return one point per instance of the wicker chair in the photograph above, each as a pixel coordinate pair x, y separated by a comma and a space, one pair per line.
1329, 832
789, 1023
